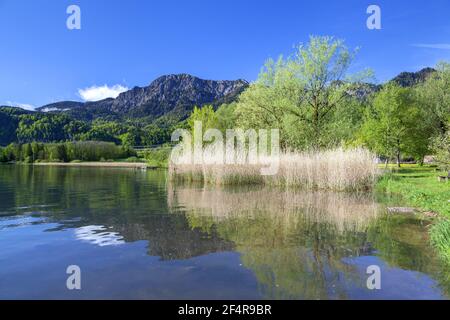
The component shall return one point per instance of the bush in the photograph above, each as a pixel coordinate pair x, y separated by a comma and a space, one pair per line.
158, 157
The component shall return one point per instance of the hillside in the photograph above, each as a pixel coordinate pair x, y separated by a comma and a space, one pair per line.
170, 95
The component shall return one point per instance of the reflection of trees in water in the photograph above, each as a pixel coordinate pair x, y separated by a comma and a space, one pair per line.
295, 241
130, 204
98, 190
171, 237
402, 241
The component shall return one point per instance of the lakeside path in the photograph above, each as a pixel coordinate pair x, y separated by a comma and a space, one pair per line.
130, 165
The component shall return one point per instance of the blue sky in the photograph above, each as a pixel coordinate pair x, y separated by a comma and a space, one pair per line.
130, 43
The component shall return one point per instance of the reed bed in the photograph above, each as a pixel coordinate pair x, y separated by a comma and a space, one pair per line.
338, 169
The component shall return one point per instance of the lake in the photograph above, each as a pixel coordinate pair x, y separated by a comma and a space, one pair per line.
136, 236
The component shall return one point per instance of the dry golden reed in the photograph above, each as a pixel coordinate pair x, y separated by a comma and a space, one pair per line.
338, 169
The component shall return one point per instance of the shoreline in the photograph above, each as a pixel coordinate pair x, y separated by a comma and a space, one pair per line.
129, 165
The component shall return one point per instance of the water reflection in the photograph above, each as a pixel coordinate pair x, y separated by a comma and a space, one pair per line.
98, 235
308, 245
248, 242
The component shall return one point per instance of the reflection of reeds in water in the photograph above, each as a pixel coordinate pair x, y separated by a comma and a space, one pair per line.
293, 241
334, 169
343, 211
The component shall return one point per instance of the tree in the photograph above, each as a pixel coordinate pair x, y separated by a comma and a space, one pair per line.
226, 116
131, 138
393, 125
205, 115
299, 95
154, 135
434, 95
27, 153
3, 157
441, 150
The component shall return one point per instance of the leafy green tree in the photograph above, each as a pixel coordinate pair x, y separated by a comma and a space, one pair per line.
99, 134
27, 153
3, 157
74, 129
299, 95
435, 97
226, 116
441, 150
131, 138
205, 115
154, 135
393, 126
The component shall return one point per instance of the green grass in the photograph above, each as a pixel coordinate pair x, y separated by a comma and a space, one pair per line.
440, 238
420, 188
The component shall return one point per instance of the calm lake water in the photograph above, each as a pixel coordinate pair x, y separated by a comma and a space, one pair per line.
135, 236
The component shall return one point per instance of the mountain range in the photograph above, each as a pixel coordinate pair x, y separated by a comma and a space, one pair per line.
169, 95
176, 95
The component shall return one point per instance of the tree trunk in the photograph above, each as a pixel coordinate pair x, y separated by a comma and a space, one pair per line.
398, 154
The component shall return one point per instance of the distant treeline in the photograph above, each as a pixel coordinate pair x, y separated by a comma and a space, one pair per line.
22, 126
64, 152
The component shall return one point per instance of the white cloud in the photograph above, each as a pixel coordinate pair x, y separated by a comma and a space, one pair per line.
443, 46
54, 109
96, 93
25, 106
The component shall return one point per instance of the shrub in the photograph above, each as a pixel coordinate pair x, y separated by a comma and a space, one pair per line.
158, 157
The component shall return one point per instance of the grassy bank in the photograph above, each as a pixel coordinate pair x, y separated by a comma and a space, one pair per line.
420, 188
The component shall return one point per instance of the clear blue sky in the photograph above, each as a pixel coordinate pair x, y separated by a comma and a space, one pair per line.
132, 42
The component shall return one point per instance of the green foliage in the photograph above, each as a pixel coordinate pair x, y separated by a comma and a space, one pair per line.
394, 125
158, 157
47, 128
24, 127
64, 152
226, 116
440, 238
155, 135
8, 125
441, 150
205, 115
434, 96
300, 95
131, 138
